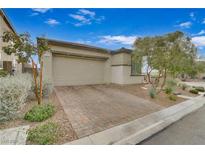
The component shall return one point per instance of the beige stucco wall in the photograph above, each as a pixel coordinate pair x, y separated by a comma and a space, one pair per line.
121, 70
3, 56
48, 66
121, 59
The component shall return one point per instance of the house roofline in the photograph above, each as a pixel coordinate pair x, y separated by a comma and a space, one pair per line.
85, 46
121, 50
75, 45
6, 19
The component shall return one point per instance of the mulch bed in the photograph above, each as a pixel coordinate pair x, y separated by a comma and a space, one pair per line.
161, 99
67, 133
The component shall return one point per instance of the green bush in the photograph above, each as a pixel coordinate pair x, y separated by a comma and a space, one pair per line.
184, 86
193, 91
171, 83
14, 91
3, 73
168, 90
39, 113
47, 88
152, 93
200, 89
44, 134
172, 97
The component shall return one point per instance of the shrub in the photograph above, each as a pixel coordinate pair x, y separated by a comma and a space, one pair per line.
39, 113
171, 83
47, 88
184, 86
152, 93
44, 134
200, 89
193, 91
172, 97
13, 93
3, 73
168, 90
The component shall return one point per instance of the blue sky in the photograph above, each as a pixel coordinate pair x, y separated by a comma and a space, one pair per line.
109, 28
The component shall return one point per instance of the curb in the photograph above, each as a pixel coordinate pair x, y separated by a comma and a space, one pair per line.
138, 130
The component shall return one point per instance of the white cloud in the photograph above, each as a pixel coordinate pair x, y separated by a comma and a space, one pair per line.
201, 32
86, 17
185, 24
203, 22
34, 14
83, 20
199, 41
192, 15
52, 22
87, 12
41, 10
122, 39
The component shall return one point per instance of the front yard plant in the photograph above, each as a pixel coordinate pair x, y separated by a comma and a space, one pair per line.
152, 93
183, 86
14, 91
44, 134
173, 97
193, 91
3, 73
40, 113
47, 88
200, 89
168, 90
24, 49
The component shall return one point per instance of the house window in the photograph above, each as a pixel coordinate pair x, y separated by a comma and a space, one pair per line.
136, 67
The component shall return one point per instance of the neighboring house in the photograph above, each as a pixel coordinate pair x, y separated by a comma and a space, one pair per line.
78, 64
7, 62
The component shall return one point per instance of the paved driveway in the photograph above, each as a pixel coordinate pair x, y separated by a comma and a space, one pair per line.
91, 109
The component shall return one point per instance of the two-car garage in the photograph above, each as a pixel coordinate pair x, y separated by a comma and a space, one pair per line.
77, 71
75, 64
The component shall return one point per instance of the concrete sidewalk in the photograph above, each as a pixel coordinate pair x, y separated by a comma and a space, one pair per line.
188, 131
14, 136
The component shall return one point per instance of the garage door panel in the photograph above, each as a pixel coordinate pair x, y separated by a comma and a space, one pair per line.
75, 71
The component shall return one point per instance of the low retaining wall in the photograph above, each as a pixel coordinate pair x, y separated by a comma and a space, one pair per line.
136, 131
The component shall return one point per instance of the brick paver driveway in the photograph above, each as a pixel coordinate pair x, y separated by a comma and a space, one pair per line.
91, 109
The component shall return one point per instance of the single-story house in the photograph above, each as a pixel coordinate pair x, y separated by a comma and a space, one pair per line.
7, 62
71, 63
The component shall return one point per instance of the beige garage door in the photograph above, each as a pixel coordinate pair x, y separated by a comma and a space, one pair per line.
75, 71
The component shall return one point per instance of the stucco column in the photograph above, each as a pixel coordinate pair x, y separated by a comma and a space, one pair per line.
47, 66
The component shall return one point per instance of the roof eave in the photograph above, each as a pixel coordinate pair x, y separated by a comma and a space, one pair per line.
7, 21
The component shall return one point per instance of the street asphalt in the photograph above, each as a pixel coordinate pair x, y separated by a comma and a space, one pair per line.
188, 131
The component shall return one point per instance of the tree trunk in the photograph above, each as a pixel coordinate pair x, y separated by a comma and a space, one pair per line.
164, 81
34, 69
41, 81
